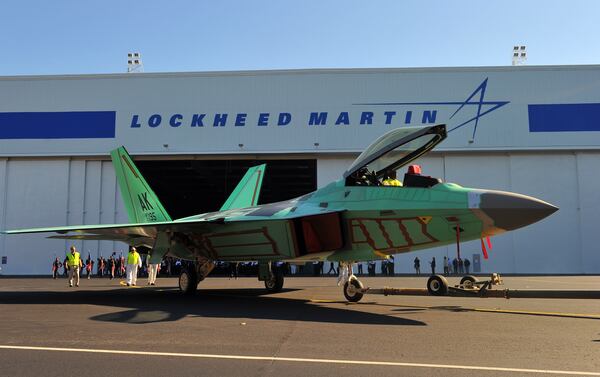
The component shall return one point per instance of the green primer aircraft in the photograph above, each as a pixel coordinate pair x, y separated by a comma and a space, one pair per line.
353, 219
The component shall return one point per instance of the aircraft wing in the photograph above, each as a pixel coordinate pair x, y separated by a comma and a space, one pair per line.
245, 230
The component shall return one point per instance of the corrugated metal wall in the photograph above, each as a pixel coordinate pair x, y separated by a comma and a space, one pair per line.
54, 192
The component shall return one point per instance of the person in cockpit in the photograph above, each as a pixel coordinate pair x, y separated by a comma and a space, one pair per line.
391, 179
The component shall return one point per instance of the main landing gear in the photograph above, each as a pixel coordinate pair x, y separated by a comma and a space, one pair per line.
272, 276
193, 274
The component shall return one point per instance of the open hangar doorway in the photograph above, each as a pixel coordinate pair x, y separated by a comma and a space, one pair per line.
189, 187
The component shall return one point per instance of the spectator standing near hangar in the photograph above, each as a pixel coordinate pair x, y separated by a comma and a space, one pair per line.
467, 265
432, 263
66, 267
152, 270
417, 263
332, 268
101, 266
445, 265
89, 264
74, 264
55, 266
112, 264
121, 266
371, 268
133, 263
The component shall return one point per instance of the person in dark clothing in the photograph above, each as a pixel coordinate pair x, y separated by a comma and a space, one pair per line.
390, 266
467, 265
360, 268
455, 266
332, 268
65, 267
432, 263
55, 266
371, 268
234, 269
461, 266
417, 266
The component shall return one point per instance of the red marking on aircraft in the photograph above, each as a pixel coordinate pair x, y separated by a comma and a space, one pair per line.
359, 222
264, 231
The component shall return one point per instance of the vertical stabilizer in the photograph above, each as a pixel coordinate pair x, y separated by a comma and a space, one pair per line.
141, 202
247, 191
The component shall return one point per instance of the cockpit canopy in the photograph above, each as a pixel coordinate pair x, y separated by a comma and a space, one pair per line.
397, 148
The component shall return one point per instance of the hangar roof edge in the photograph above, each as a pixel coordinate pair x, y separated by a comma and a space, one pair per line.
301, 71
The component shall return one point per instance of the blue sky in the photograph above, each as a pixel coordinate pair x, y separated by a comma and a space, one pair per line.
69, 36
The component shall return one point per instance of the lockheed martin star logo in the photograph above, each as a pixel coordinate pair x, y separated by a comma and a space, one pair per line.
477, 99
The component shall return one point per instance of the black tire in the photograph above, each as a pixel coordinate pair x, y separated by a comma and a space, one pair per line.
353, 290
467, 281
437, 285
188, 281
275, 283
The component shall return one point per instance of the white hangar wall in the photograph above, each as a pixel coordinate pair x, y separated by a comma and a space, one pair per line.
538, 133
42, 192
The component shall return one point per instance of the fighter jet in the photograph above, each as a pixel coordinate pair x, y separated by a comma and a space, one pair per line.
356, 218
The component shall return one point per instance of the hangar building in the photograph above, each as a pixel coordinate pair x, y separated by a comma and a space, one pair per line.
526, 129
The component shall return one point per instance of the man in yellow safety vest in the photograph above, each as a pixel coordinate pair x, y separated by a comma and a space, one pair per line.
134, 261
74, 264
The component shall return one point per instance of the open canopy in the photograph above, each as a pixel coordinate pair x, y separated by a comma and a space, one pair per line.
397, 148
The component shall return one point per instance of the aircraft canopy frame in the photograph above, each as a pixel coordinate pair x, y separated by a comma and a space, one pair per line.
380, 157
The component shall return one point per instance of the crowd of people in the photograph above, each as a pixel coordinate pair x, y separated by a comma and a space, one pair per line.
129, 267
135, 265
456, 266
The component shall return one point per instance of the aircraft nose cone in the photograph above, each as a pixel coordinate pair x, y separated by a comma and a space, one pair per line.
511, 211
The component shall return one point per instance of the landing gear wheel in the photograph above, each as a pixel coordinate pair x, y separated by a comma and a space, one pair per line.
467, 281
437, 285
188, 281
353, 290
275, 283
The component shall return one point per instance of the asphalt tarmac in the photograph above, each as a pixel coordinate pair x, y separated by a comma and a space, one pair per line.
232, 328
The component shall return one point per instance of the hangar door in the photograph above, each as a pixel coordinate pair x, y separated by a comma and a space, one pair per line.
190, 187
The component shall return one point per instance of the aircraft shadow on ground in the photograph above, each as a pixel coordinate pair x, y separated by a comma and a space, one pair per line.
153, 305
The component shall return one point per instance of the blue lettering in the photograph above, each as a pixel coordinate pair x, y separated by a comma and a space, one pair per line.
197, 120
175, 120
408, 117
154, 120
388, 116
366, 117
343, 118
240, 120
135, 122
263, 119
284, 119
317, 118
429, 116
220, 120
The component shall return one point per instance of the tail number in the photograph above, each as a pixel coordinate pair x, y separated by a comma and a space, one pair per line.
147, 207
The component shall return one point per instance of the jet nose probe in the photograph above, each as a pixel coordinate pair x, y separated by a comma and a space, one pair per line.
511, 211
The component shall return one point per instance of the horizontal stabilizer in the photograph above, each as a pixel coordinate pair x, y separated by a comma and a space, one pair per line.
247, 191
